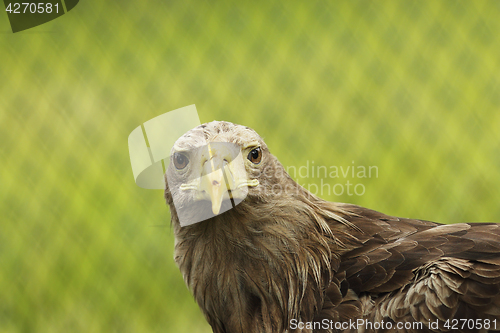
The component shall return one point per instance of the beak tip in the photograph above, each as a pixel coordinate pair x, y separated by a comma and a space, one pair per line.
216, 208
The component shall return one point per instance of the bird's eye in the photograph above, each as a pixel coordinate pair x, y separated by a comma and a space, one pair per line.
180, 161
255, 156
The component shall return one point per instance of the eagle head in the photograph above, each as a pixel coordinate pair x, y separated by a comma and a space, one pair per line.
217, 165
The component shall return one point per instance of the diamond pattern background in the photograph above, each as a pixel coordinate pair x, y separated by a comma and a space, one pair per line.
412, 87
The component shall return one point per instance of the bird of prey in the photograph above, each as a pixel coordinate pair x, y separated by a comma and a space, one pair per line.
275, 258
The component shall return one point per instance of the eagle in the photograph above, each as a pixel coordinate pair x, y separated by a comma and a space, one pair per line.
260, 253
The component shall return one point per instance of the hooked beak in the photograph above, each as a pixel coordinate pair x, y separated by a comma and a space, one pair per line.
215, 186
223, 176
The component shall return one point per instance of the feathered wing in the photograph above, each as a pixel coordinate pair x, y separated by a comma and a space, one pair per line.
417, 271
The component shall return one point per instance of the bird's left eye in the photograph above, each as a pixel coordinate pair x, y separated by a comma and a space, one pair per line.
180, 161
255, 155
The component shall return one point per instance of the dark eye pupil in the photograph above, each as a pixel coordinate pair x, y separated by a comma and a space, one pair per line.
180, 161
255, 156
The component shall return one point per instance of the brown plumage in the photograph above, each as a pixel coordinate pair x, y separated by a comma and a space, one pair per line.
283, 256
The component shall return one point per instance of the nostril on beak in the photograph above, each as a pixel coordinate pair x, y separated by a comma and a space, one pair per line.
215, 183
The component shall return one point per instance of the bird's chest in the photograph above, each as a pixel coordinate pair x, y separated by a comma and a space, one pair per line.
229, 266
231, 280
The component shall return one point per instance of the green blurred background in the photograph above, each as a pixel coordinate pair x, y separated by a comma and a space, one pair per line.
412, 87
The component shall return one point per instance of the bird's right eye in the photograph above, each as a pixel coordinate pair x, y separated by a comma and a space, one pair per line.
180, 161
255, 155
